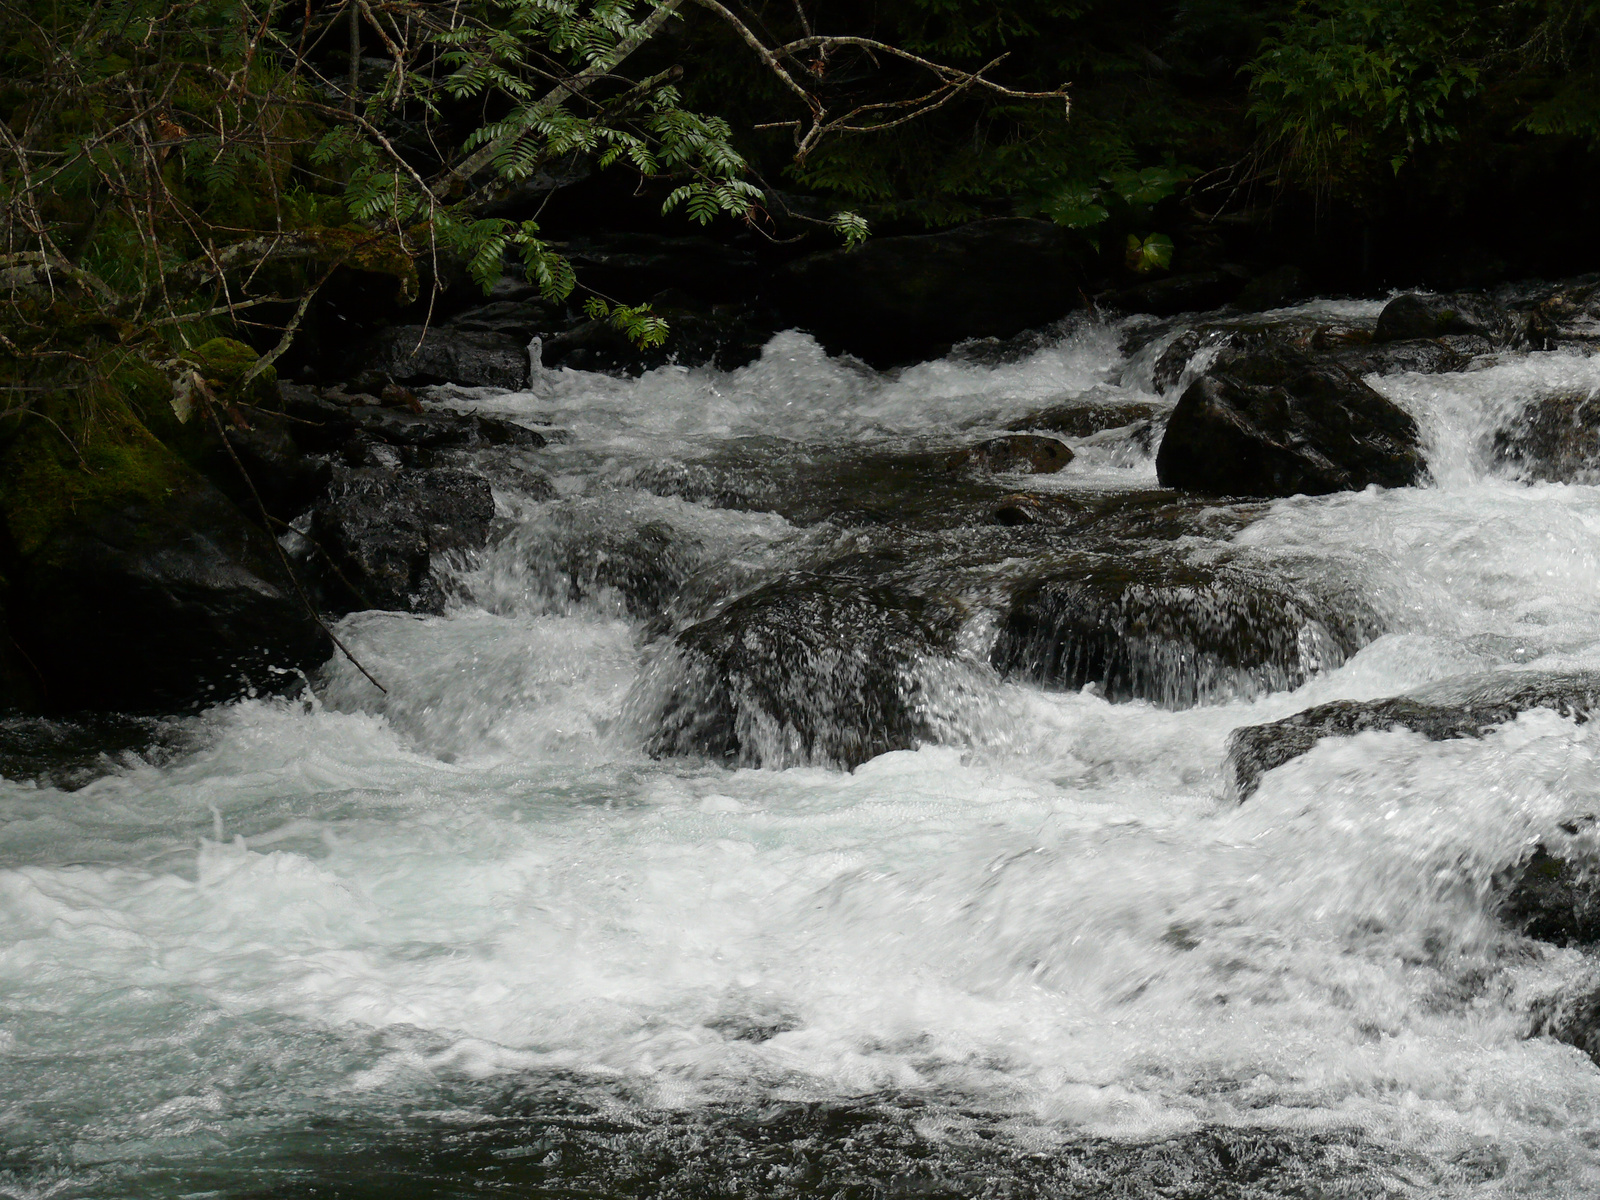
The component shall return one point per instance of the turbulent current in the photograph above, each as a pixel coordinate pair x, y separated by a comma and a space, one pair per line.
488, 933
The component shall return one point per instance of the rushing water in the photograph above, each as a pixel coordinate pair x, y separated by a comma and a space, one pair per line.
470, 936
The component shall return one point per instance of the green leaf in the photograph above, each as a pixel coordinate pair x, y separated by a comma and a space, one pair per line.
1151, 253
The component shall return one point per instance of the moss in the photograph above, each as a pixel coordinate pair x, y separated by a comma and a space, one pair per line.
65, 462
224, 363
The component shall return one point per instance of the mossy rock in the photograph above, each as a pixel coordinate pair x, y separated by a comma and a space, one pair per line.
224, 362
111, 461
133, 584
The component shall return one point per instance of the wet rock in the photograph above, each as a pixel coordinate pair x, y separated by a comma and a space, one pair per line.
1268, 420
1146, 628
1195, 291
1316, 337
1554, 439
820, 670
71, 754
1019, 453
378, 530
1019, 510
1554, 893
1571, 1016
905, 299
1430, 356
1416, 316
1081, 420
581, 554
442, 354
1464, 708
521, 319
1567, 313
331, 422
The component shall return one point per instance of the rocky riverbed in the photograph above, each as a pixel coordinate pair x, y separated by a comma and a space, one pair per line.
1142, 753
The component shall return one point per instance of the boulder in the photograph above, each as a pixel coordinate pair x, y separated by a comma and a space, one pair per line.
441, 354
1270, 420
1463, 708
377, 531
133, 583
1415, 316
1017, 453
1554, 439
1177, 634
897, 300
808, 669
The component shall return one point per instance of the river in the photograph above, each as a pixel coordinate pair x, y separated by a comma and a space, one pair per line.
469, 937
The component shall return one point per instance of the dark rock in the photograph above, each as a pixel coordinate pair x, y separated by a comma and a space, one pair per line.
71, 754
1571, 1016
904, 299
1269, 420
1430, 356
1195, 291
1566, 313
442, 354
1278, 288
262, 459
19, 682
634, 266
1416, 316
581, 554
328, 423
520, 320
1463, 708
725, 337
1147, 628
1080, 420
1018, 453
1019, 510
819, 670
1315, 337
158, 607
1554, 893
379, 530
1555, 439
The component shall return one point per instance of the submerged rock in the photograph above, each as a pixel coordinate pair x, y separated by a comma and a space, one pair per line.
1018, 453
1269, 420
378, 530
1079, 419
1554, 893
807, 669
1173, 633
1465, 708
